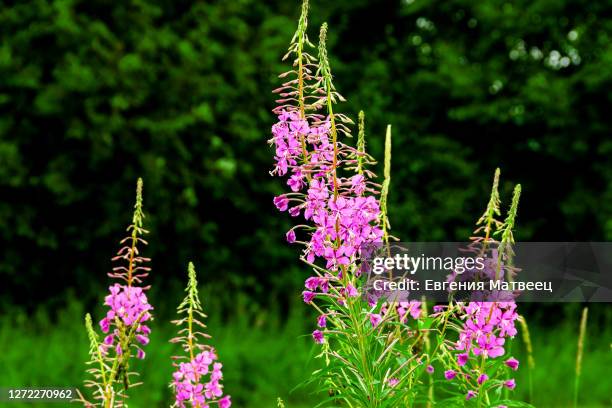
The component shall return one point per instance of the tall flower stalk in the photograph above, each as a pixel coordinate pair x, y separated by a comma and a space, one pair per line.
478, 362
196, 381
124, 326
340, 202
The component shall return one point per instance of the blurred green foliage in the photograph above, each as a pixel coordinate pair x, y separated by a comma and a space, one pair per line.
94, 94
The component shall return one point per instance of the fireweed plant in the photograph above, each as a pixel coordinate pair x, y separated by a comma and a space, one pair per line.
377, 354
366, 346
124, 326
473, 341
196, 380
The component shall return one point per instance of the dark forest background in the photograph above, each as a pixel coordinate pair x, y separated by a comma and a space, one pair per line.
94, 94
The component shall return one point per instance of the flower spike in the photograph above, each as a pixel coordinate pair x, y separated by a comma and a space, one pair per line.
125, 324
196, 382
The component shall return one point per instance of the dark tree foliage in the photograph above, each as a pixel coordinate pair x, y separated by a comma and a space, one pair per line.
94, 94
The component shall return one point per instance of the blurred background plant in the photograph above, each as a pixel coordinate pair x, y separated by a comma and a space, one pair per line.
94, 94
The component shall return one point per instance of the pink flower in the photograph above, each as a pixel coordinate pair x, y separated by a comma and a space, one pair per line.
510, 384
482, 378
351, 291
192, 385
439, 308
470, 394
317, 335
322, 321
324, 285
487, 325
462, 359
105, 325
450, 374
128, 303
513, 363
312, 283
489, 346
358, 184
392, 382
430, 369
225, 402
295, 211
413, 307
142, 339
375, 319
299, 126
281, 202
290, 236
308, 296
296, 182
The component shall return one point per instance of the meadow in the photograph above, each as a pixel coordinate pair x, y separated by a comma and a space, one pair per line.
267, 356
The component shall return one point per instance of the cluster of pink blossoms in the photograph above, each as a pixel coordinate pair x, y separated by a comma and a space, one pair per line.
402, 309
343, 221
344, 217
190, 387
486, 326
130, 306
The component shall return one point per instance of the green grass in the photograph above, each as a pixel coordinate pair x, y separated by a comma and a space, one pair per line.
262, 358
555, 364
265, 358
